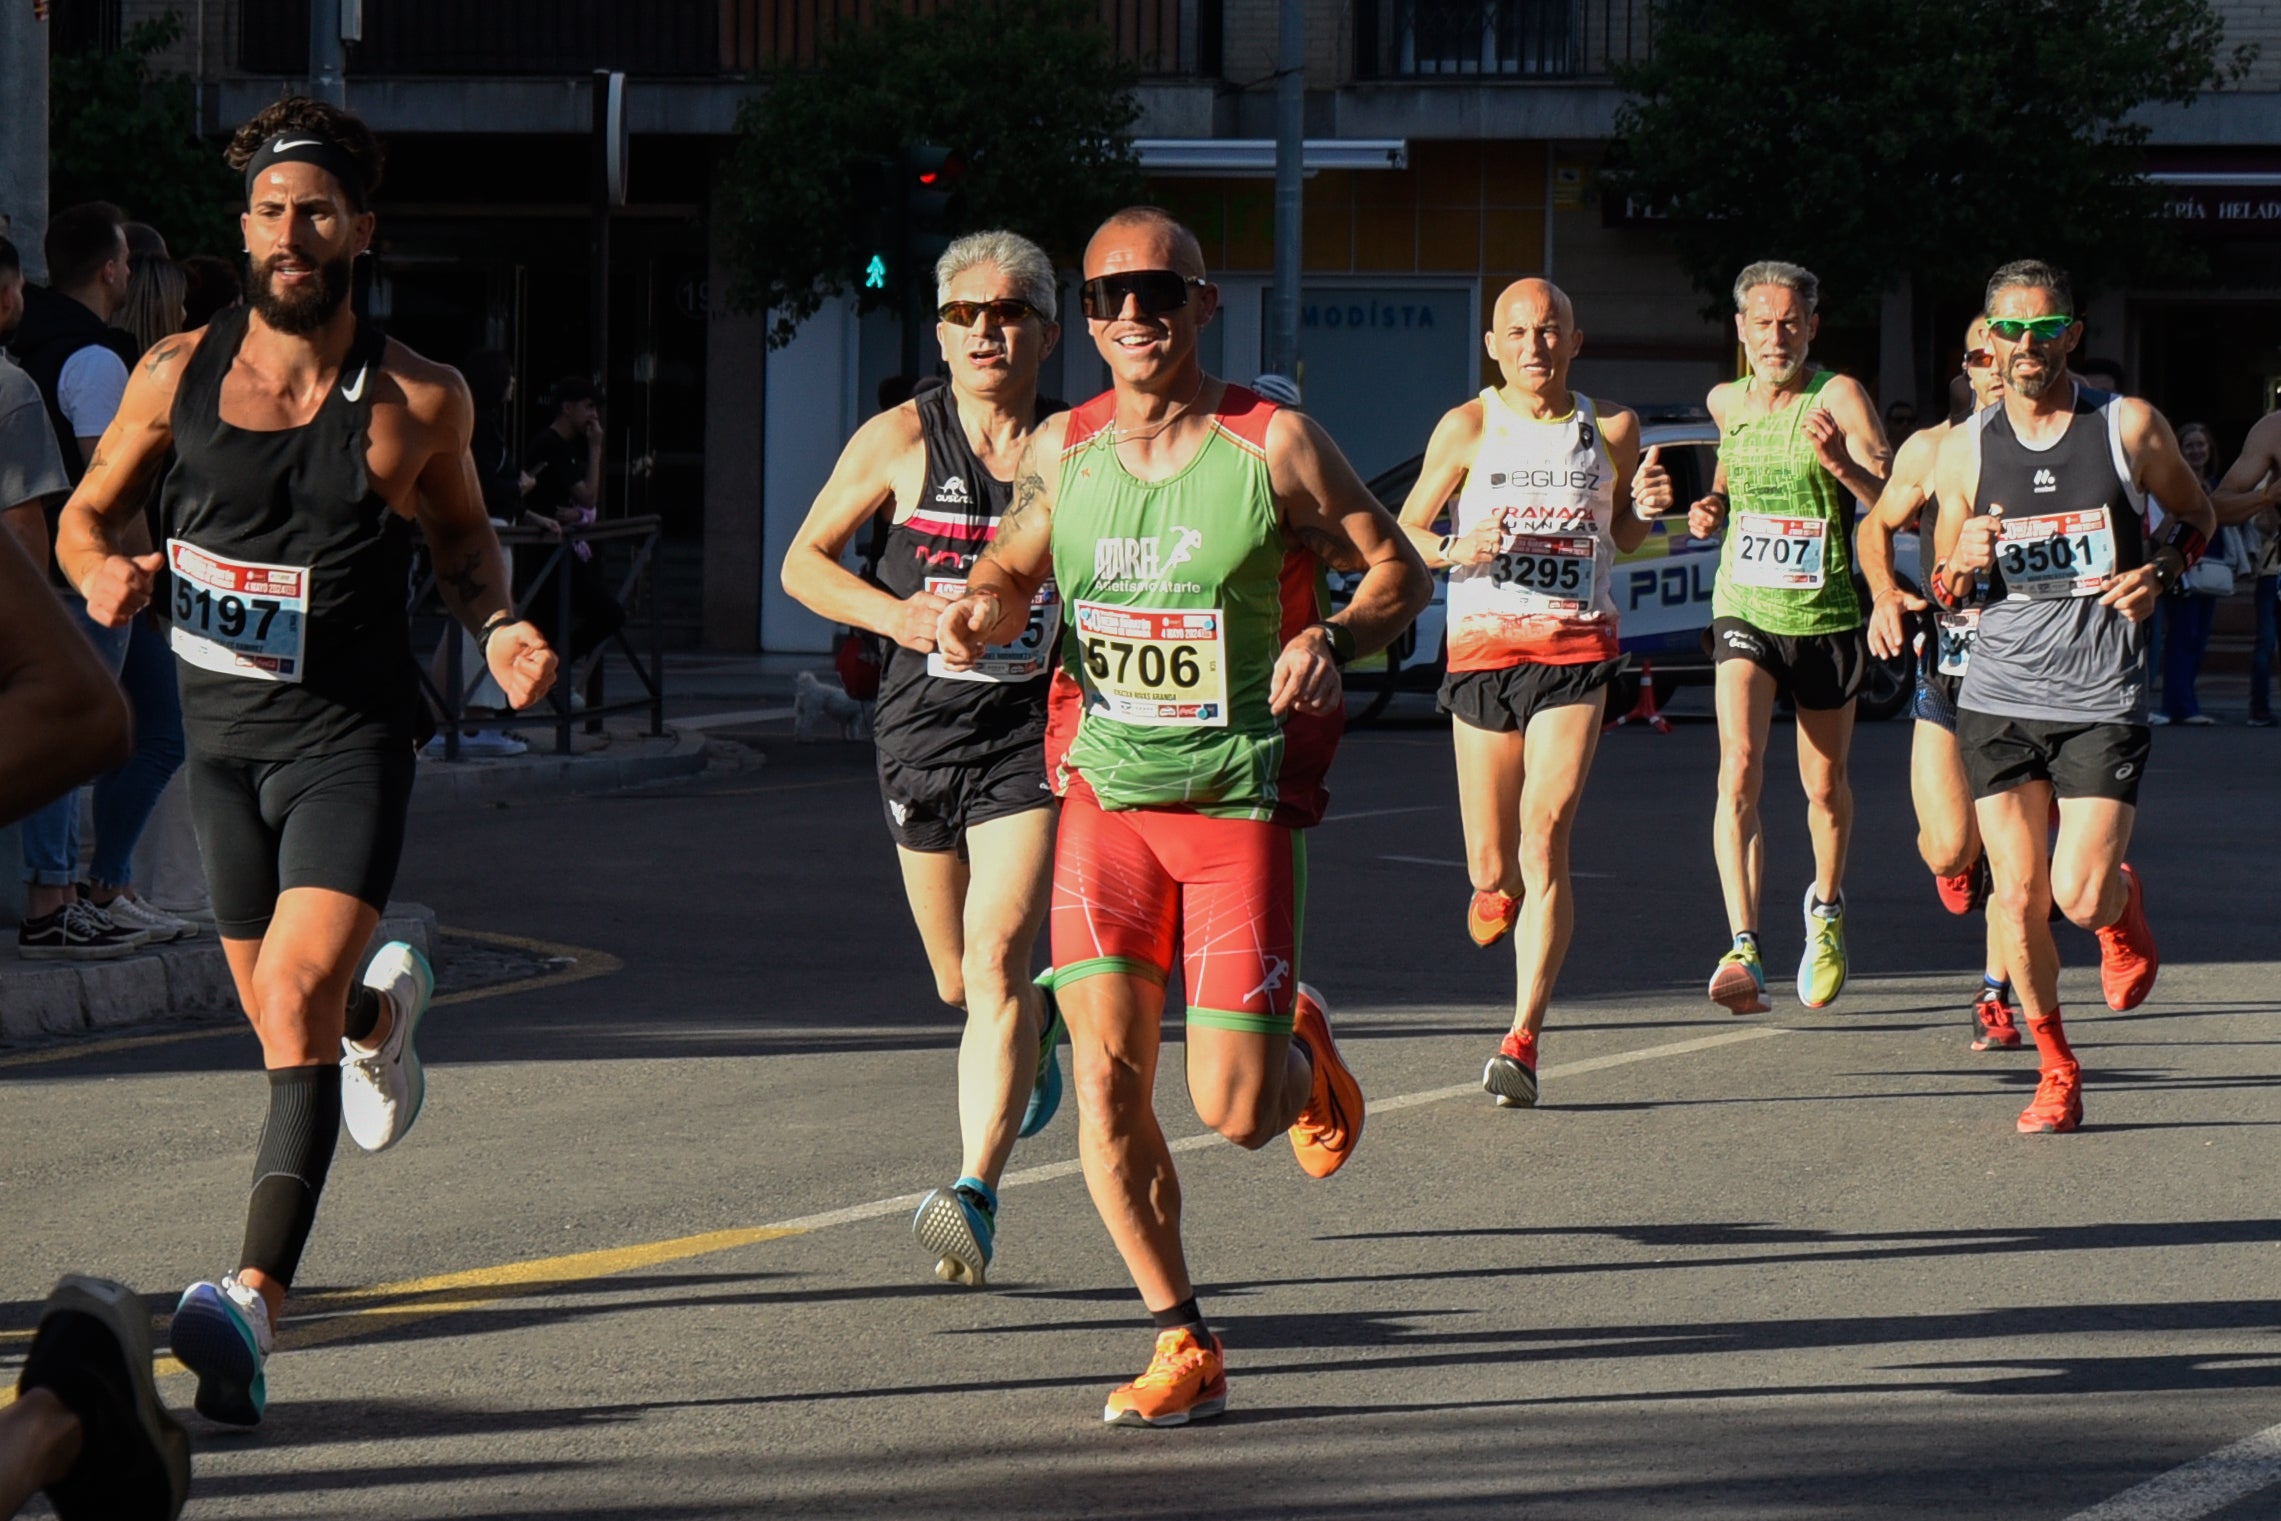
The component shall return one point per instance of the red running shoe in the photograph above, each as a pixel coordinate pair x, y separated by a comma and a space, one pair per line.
2128, 960
1995, 1023
1512, 1072
1330, 1127
2058, 1106
1967, 891
1490, 917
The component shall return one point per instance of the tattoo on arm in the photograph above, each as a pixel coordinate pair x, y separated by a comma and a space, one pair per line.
162, 356
1029, 490
465, 585
1331, 549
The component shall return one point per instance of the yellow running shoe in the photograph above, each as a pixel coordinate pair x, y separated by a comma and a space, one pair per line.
1821, 971
1738, 982
1187, 1380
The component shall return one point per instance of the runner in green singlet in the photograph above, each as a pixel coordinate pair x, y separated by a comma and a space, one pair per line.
1798, 445
1186, 521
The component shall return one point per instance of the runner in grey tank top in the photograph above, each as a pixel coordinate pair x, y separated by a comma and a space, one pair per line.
2042, 525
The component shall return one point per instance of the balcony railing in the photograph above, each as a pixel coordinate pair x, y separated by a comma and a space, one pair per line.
1499, 39
656, 37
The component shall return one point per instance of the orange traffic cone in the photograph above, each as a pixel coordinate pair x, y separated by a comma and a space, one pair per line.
1644, 710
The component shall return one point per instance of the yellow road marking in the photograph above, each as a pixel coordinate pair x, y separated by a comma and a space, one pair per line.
584, 962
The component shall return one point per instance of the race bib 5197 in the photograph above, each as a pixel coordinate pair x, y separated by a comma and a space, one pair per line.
236, 617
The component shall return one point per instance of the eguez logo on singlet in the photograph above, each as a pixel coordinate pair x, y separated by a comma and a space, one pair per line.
1129, 564
1546, 480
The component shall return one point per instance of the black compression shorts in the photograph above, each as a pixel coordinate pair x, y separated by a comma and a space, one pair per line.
1504, 700
1819, 671
930, 808
332, 821
2078, 758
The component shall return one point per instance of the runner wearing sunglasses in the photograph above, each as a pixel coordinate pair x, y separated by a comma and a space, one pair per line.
2042, 526
961, 751
1948, 837
1195, 715
1798, 446
1551, 489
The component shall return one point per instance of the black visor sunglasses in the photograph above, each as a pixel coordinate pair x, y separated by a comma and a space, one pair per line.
1156, 291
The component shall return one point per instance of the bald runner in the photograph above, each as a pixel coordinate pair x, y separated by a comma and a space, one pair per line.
1549, 488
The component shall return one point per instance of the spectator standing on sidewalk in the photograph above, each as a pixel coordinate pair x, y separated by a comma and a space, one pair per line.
564, 460
2250, 495
2192, 606
67, 344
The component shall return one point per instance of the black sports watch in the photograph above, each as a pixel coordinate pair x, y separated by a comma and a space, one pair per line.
1341, 641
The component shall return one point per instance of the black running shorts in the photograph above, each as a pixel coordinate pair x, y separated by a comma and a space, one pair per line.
1935, 698
332, 821
1819, 671
2079, 759
1502, 701
930, 808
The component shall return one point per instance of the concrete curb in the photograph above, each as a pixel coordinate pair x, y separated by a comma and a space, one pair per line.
463, 784
45, 999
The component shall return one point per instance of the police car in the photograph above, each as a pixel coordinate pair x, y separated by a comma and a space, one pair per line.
1662, 591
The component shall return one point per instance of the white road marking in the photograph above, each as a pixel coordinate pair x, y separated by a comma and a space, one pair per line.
2209, 1483
723, 720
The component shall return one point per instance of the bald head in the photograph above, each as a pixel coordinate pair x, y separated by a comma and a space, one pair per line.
1531, 301
1144, 237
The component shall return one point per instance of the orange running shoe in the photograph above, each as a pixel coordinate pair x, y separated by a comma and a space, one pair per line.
1490, 917
1186, 1381
2128, 959
1967, 890
1330, 1127
2058, 1106
1994, 1025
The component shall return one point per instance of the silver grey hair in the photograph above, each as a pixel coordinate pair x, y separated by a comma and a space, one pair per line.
1774, 272
1011, 255
2032, 274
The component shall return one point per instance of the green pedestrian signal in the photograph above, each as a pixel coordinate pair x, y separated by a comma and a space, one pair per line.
875, 274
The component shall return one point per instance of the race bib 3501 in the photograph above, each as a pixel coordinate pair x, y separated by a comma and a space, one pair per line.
2067, 554
237, 617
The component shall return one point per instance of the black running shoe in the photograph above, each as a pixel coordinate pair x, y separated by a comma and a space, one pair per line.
93, 1352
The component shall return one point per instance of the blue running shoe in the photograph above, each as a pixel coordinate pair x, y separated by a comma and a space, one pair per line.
1045, 1092
221, 1333
958, 1224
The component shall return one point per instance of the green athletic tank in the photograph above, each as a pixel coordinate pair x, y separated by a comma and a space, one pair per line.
1180, 594
1772, 473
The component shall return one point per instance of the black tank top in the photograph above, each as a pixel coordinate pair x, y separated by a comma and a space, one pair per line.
928, 718
288, 571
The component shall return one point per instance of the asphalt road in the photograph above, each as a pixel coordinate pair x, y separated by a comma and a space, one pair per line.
640, 1258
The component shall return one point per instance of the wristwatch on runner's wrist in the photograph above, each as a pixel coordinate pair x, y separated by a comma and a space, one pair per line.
1341, 640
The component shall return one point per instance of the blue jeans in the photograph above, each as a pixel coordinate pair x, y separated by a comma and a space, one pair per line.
2261, 653
2185, 639
125, 798
51, 834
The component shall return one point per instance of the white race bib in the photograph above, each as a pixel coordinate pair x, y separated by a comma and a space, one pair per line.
1781, 554
1024, 659
1544, 574
2068, 554
1161, 668
235, 617
1958, 633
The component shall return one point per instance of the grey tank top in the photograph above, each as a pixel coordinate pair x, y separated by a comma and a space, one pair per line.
2048, 650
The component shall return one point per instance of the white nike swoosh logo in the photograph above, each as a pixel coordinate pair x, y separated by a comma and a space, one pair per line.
298, 142
354, 390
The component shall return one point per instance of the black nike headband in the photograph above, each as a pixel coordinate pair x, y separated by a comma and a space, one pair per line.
301, 148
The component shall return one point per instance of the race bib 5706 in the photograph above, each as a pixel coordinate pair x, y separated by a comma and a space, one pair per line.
1162, 668
237, 617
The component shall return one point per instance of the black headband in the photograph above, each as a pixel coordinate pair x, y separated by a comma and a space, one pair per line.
301, 148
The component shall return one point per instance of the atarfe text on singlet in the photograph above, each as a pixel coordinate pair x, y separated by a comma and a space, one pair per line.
1182, 594
287, 572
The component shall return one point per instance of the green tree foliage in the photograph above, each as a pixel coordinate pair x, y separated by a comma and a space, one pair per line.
1883, 141
119, 132
1031, 91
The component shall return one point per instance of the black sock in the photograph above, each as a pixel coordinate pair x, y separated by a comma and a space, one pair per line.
289, 1170
363, 1013
1182, 1314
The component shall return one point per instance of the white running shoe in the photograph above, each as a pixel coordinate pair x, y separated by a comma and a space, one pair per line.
381, 1091
132, 913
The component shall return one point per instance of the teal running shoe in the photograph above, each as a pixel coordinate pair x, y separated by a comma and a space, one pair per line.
958, 1224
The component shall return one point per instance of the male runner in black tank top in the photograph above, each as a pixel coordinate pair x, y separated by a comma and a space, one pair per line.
961, 755
307, 446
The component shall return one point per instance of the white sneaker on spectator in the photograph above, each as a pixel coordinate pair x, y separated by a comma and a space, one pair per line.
132, 913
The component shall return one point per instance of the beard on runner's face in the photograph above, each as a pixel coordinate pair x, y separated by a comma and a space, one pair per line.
305, 309
2033, 384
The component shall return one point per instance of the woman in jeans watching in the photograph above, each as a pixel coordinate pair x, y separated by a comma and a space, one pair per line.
125, 798
2187, 613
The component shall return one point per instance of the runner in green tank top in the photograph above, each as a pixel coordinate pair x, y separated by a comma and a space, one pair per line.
1186, 521
1798, 446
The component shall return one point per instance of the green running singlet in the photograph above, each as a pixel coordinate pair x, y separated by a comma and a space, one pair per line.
1786, 565
1180, 594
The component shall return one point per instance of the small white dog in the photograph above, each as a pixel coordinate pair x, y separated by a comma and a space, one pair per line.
817, 704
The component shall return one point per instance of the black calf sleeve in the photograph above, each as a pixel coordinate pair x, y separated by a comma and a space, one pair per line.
289, 1171
363, 1013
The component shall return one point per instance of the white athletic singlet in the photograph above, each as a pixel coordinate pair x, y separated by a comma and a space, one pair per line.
1545, 599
